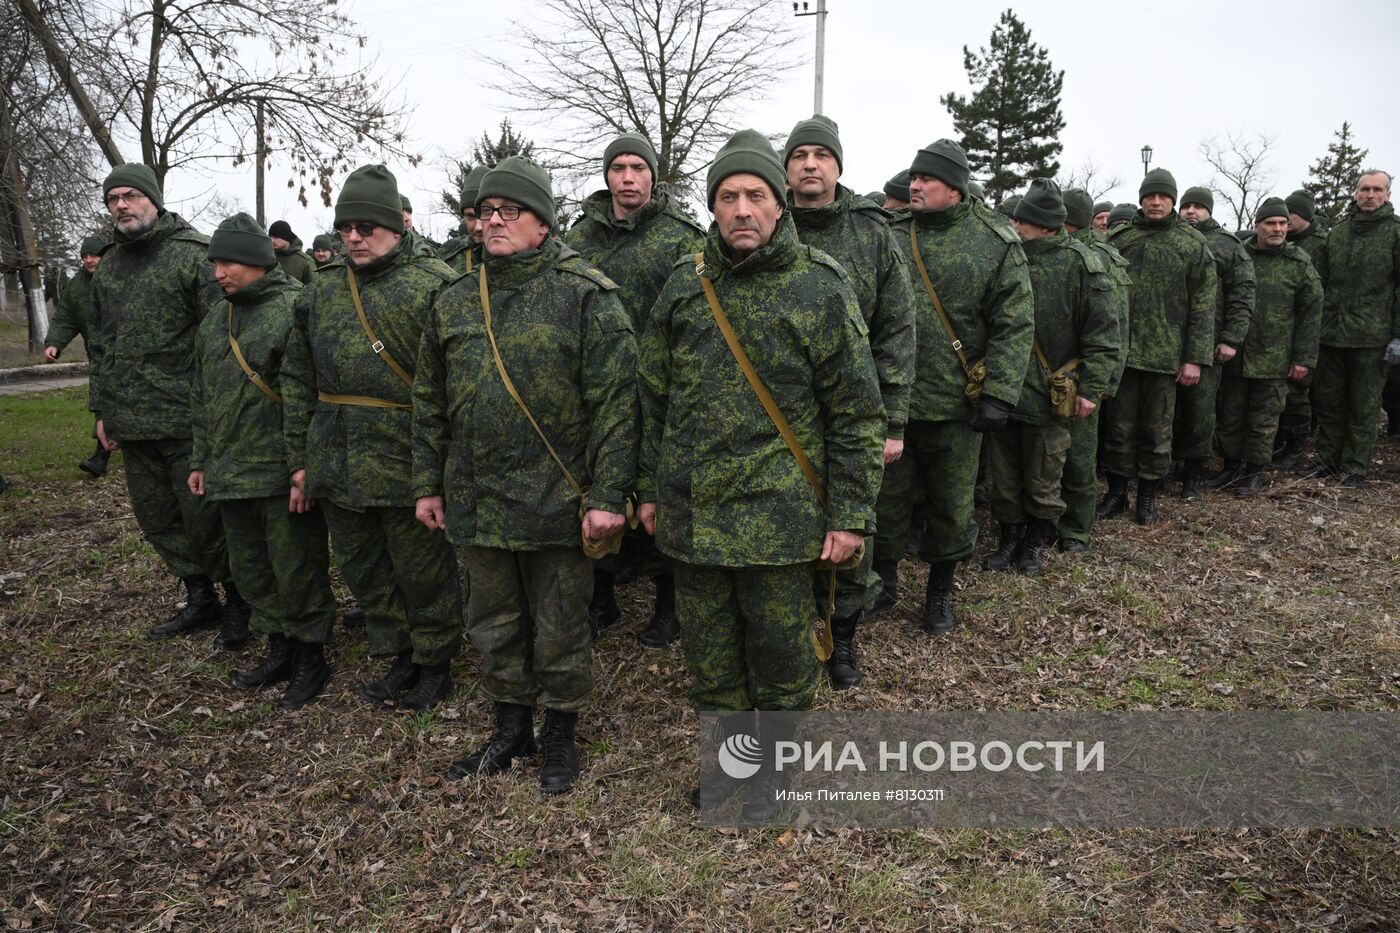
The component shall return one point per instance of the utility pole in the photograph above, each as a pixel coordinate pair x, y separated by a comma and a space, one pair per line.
803, 9
261, 156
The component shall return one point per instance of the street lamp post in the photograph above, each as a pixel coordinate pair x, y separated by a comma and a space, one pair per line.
1146, 159
803, 9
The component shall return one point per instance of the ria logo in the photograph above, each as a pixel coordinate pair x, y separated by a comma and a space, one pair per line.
740, 756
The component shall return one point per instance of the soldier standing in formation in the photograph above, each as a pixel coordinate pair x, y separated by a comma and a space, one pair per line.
323, 250
463, 253
289, 255
73, 318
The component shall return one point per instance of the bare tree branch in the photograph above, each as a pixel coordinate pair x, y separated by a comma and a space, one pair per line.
1242, 161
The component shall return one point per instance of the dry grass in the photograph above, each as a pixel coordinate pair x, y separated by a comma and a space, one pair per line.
138, 790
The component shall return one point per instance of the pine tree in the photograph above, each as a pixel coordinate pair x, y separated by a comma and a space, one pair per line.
1010, 125
490, 153
509, 143
1334, 176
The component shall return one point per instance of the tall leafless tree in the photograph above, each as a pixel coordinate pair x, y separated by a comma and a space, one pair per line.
1089, 175
1242, 162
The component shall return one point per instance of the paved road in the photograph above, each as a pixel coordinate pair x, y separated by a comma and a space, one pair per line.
41, 385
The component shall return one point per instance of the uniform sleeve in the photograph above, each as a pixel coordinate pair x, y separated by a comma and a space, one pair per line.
1307, 325
298, 378
1395, 284
1202, 283
610, 391
431, 430
1010, 327
65, 324
653, 392
199, 432
99, 363
1100, 344
848, 391
1239, 298
892, 341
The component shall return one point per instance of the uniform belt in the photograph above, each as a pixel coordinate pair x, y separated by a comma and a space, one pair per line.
362, 401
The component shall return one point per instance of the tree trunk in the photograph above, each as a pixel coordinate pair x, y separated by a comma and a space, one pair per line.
30, 277
261, 156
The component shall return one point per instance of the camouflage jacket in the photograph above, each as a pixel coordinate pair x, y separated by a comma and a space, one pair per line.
295, 263
1287, 313
148, 297
979, 270
419, 245
1309, 240
567, 345
357, 456
1360, 269
637, 253
1117, 268
461, 253
238, 431
1074, 319
1234, 295
72, 317
728, 491
856, 233
1173, 293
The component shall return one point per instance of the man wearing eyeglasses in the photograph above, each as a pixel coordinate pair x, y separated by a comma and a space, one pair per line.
150, 293
346, 381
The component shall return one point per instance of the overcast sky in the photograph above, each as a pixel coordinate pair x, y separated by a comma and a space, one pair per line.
1164, 74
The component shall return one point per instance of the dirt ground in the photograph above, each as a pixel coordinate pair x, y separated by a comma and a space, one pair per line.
140, 791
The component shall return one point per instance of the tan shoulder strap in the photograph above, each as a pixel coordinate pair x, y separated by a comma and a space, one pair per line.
248, 370
933, 295
510, 386
375, 343
1045, 363
469, 259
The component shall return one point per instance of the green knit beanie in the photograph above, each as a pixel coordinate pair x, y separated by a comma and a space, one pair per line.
1007, 208
94, 245
370, 194
1122, 214
1157, 181
240, 239
1302, 204
520, 180
631, 144
1272, 207
1103, 206
471, 186
1042, 205
944, 160
746, 152
1201, 196
138, 176
818, 131
405, 203
976, 191
1079, 208
323, 241
898, 187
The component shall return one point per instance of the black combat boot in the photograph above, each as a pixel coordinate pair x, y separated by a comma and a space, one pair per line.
716, 786
201, 609
1290, 452
1191, 480
353, 618
665, 627
841, 667
308, 678
401, 675
603, 610
938, 598
233, 634
97, 463
1354, 480
558, 752
888, 571
1039, 534
1147, 500
1229, 473
1008, 546
514, 737
762, 803
1115, 501
434, 685
1251, 481
274, 668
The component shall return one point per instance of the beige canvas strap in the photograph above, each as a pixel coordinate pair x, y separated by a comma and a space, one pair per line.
248, 370
937, 305
361, 401
375, 343
1045, 363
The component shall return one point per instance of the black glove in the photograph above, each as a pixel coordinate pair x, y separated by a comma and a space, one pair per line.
991, 415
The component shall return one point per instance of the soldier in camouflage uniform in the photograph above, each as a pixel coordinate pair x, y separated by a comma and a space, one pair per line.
897, 193
73, 318
1099, 216
289, 255
1121, 215
1193, 435
323, 250
1280, 348
486, 473
418, 244
348, 423
1076, 335
724, 495
463, 253
1360, 269
977, 267
1171, 337
635, 233
276, 538
148, 296
1079, 485
1295, 427
856, 233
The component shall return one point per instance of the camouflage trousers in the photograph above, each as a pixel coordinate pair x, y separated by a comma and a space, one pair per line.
403, 576
1079, 487
1193, 435
901, 497
941, 457
1026, 463
527, 614
747, 635
281, 563
1297, 418
1390, 398
1140, 429
1249, 416
184, 529
1347, 399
